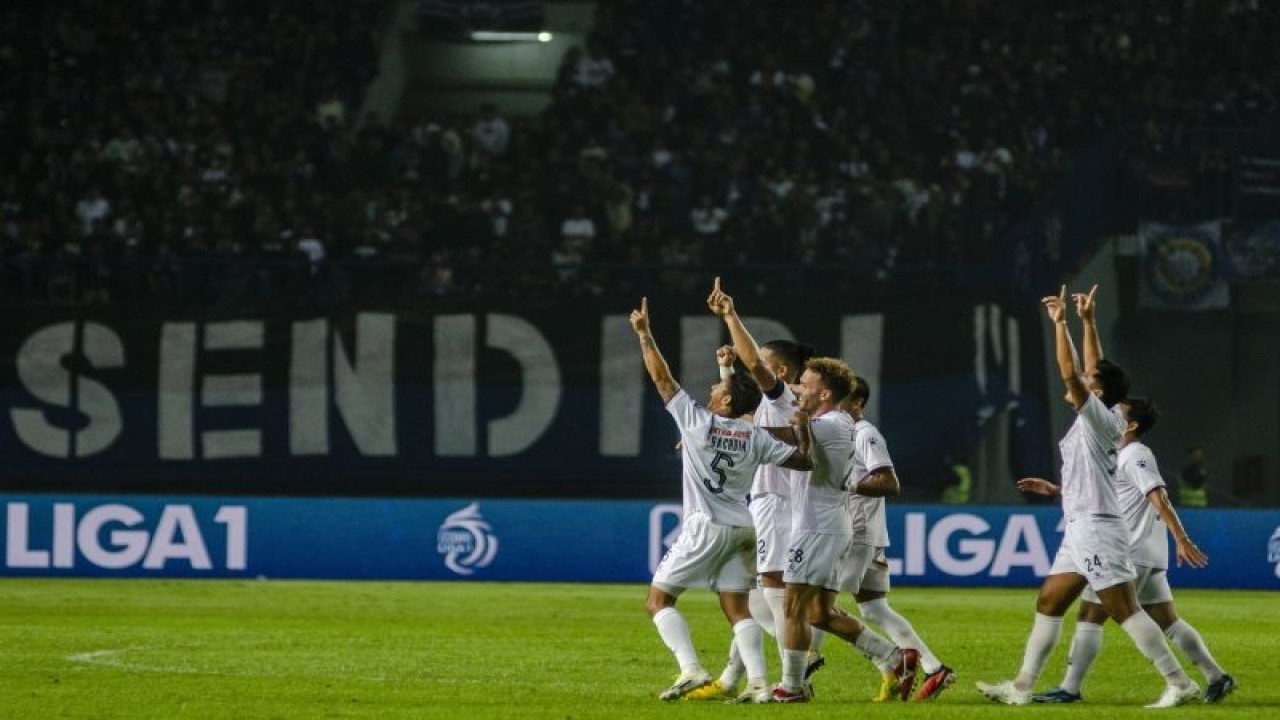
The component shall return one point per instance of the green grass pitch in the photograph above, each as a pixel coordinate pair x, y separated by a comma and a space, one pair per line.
230, 649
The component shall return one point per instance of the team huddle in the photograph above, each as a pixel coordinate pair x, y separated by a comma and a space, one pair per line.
784, 487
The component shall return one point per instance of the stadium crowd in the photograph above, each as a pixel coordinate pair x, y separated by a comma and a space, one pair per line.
212, 151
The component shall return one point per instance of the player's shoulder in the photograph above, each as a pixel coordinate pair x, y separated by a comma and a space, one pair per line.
1138, 453
834, 425
1095, 411
863, 427
835, 418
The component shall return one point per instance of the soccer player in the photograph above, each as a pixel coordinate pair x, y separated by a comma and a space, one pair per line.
779, 363
865, 571
1148, 513
1095, 546
720, 452
820, 530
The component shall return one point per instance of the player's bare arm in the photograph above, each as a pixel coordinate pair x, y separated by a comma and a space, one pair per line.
1085, 307
881, 482
1186, 551
785, 434
657, 366
802, 458
721, 305
1038, 486
1065, 350
725, 355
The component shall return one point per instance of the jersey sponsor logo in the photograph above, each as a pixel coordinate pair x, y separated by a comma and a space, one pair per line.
1273, 549
115, 536
466, 541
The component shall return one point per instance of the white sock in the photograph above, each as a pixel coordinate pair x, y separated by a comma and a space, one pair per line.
1150, 641
1188, 640
674, 631
734, 668
777, 599
749, 639
1085, 647
878, 650
899, 630
793, 669
815, 645
1045, 632
762, 610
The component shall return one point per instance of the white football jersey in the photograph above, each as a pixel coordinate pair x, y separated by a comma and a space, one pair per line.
1137, 476
870, 453
819, 503
719, 456
771, 479
1089, 462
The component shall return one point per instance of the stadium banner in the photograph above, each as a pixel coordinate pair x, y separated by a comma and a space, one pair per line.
1182, 267
1251, 250
534, 540
523, 400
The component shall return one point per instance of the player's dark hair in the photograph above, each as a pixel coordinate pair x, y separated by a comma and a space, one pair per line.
794, 355
861, 390
1142, 411
744, 394
836, 376
1114, 381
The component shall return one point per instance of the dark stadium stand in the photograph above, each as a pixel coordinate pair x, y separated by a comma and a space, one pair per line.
207, 153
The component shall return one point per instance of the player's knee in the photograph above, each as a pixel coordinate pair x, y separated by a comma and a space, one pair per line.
1091, 613
873, 611
658, 601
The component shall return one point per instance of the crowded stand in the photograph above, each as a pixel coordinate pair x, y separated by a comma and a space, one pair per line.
213, 153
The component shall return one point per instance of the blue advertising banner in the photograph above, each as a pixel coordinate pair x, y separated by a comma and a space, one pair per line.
553, 541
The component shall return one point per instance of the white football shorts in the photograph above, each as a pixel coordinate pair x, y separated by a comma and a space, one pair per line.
1098, 549
772, 516
815, 559
708, 554
1151, 585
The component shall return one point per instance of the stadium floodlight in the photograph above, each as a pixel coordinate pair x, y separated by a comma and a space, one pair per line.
506, 36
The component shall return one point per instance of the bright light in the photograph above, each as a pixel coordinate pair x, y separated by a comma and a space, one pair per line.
504, 36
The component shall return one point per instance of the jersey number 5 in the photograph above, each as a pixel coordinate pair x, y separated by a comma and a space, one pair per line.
717, 486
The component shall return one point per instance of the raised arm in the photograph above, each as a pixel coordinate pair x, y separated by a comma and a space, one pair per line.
1065, 351
1186, 550
743, 344
1092, 345
657, 366
724, 360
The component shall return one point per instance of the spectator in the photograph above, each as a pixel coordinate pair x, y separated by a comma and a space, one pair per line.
707, 218
92, 209
490, 136
577, 231
1193, 480
594, 68
959, 486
